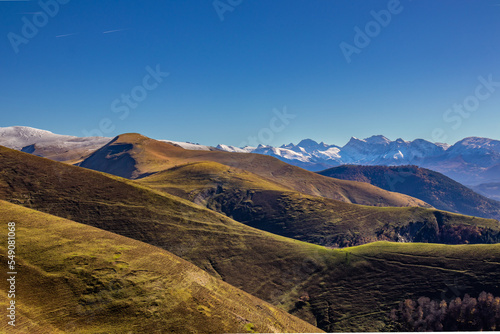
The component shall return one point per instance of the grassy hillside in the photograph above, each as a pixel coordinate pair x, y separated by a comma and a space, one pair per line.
350, 289
74, 278
375, 277
432, 187
259, 203
134, 156
242, 256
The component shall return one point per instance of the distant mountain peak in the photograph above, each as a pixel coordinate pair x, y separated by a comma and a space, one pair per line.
355, 140
45, 143
378, 139
24, 131
444, 146
478, 142
307, 142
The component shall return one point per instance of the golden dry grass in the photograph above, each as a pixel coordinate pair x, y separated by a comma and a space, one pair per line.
349, 289
74, 278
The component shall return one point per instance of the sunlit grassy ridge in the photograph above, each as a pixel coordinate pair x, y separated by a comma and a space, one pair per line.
74, 278
350, 289
245, 257
133, 156
261, 203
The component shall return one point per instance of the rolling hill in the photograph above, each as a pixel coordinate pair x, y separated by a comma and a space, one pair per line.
432, 187
266, 205
134, 156
246, 258
73, 278
350, 289
471, 161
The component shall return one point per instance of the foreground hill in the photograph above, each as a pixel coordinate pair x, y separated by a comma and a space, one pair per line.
247, 258
352, 289
75, 278
263, 204
432, 187
134, 156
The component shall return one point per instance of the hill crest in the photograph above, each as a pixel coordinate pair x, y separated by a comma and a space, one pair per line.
432, 187
135, 156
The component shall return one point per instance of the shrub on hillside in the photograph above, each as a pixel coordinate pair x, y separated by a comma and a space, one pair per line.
467, 314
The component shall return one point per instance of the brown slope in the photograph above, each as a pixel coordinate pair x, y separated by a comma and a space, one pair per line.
257, 202
339, 290
244, 257
77, 278
135, 156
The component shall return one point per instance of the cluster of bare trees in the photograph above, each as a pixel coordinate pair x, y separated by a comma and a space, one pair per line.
467, 314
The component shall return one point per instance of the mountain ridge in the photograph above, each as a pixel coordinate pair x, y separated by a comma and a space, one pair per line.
135, 156
471, 161
265, 205
432, 187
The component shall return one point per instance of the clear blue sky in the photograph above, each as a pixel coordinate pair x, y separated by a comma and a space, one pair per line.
227, 76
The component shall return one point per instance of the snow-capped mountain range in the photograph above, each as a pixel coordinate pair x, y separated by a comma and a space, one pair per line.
19, 137
376, 150
471, 161
48, 144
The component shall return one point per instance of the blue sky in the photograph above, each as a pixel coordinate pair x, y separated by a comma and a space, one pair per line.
228, 78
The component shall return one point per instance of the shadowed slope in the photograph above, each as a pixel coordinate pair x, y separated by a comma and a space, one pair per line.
432, 187
339, 290
245, 257
259, 203
134, 156
75, 278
